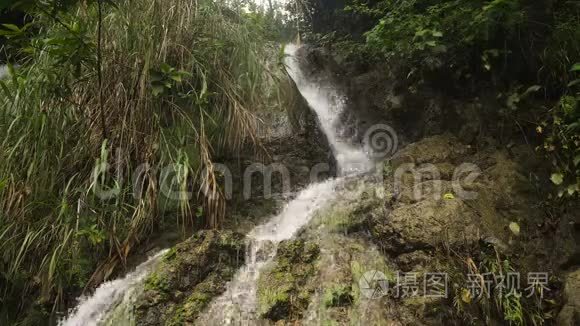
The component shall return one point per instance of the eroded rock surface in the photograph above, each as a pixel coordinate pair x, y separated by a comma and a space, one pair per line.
285, 288
190, 275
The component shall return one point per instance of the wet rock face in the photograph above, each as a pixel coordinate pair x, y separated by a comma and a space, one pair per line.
440, 149
421, 216
427, 225
570, 313
383, 92
190, 275
429, 208
284, 289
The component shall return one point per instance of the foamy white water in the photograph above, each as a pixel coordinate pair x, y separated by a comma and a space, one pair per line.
237, 306
94, 310
328, 105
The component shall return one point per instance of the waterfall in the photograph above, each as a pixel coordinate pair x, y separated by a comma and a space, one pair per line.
328, 104
237, 306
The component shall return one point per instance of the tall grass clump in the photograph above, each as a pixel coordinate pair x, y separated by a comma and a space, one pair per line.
108, 129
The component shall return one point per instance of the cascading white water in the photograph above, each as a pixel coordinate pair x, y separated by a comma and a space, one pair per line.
237, 306
328, 105
94, 310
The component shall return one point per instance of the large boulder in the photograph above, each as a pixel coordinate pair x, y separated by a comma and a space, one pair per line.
190, 275
426, 225
425, 211
285, 288
440, 149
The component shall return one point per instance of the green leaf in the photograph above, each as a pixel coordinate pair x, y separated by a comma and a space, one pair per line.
437, 34
176, 77
573, 126
158, 89
466, 296
515, 228
25, 27
575, 67
574, 83
7, 33
577, 160
557, 178
165, 68
421, 32
532, 89
12, 27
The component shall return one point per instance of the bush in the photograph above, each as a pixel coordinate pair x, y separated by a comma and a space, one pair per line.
562, 141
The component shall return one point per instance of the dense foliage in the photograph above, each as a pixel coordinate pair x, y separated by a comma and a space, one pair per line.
109, 127
528, 51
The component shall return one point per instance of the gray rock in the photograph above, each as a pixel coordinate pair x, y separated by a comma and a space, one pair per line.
570, 313
426, 225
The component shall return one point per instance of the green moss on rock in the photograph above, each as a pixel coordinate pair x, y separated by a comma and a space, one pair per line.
338, 295
284, 290
190, 275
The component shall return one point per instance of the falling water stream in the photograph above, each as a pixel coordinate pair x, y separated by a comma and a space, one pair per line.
95, 309
237, 306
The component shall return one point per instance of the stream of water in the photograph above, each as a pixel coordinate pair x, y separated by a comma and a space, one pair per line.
95, 309
237, 306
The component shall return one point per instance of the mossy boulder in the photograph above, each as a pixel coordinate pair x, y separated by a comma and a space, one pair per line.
285, 288
190, 275
435, 150
426, 225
